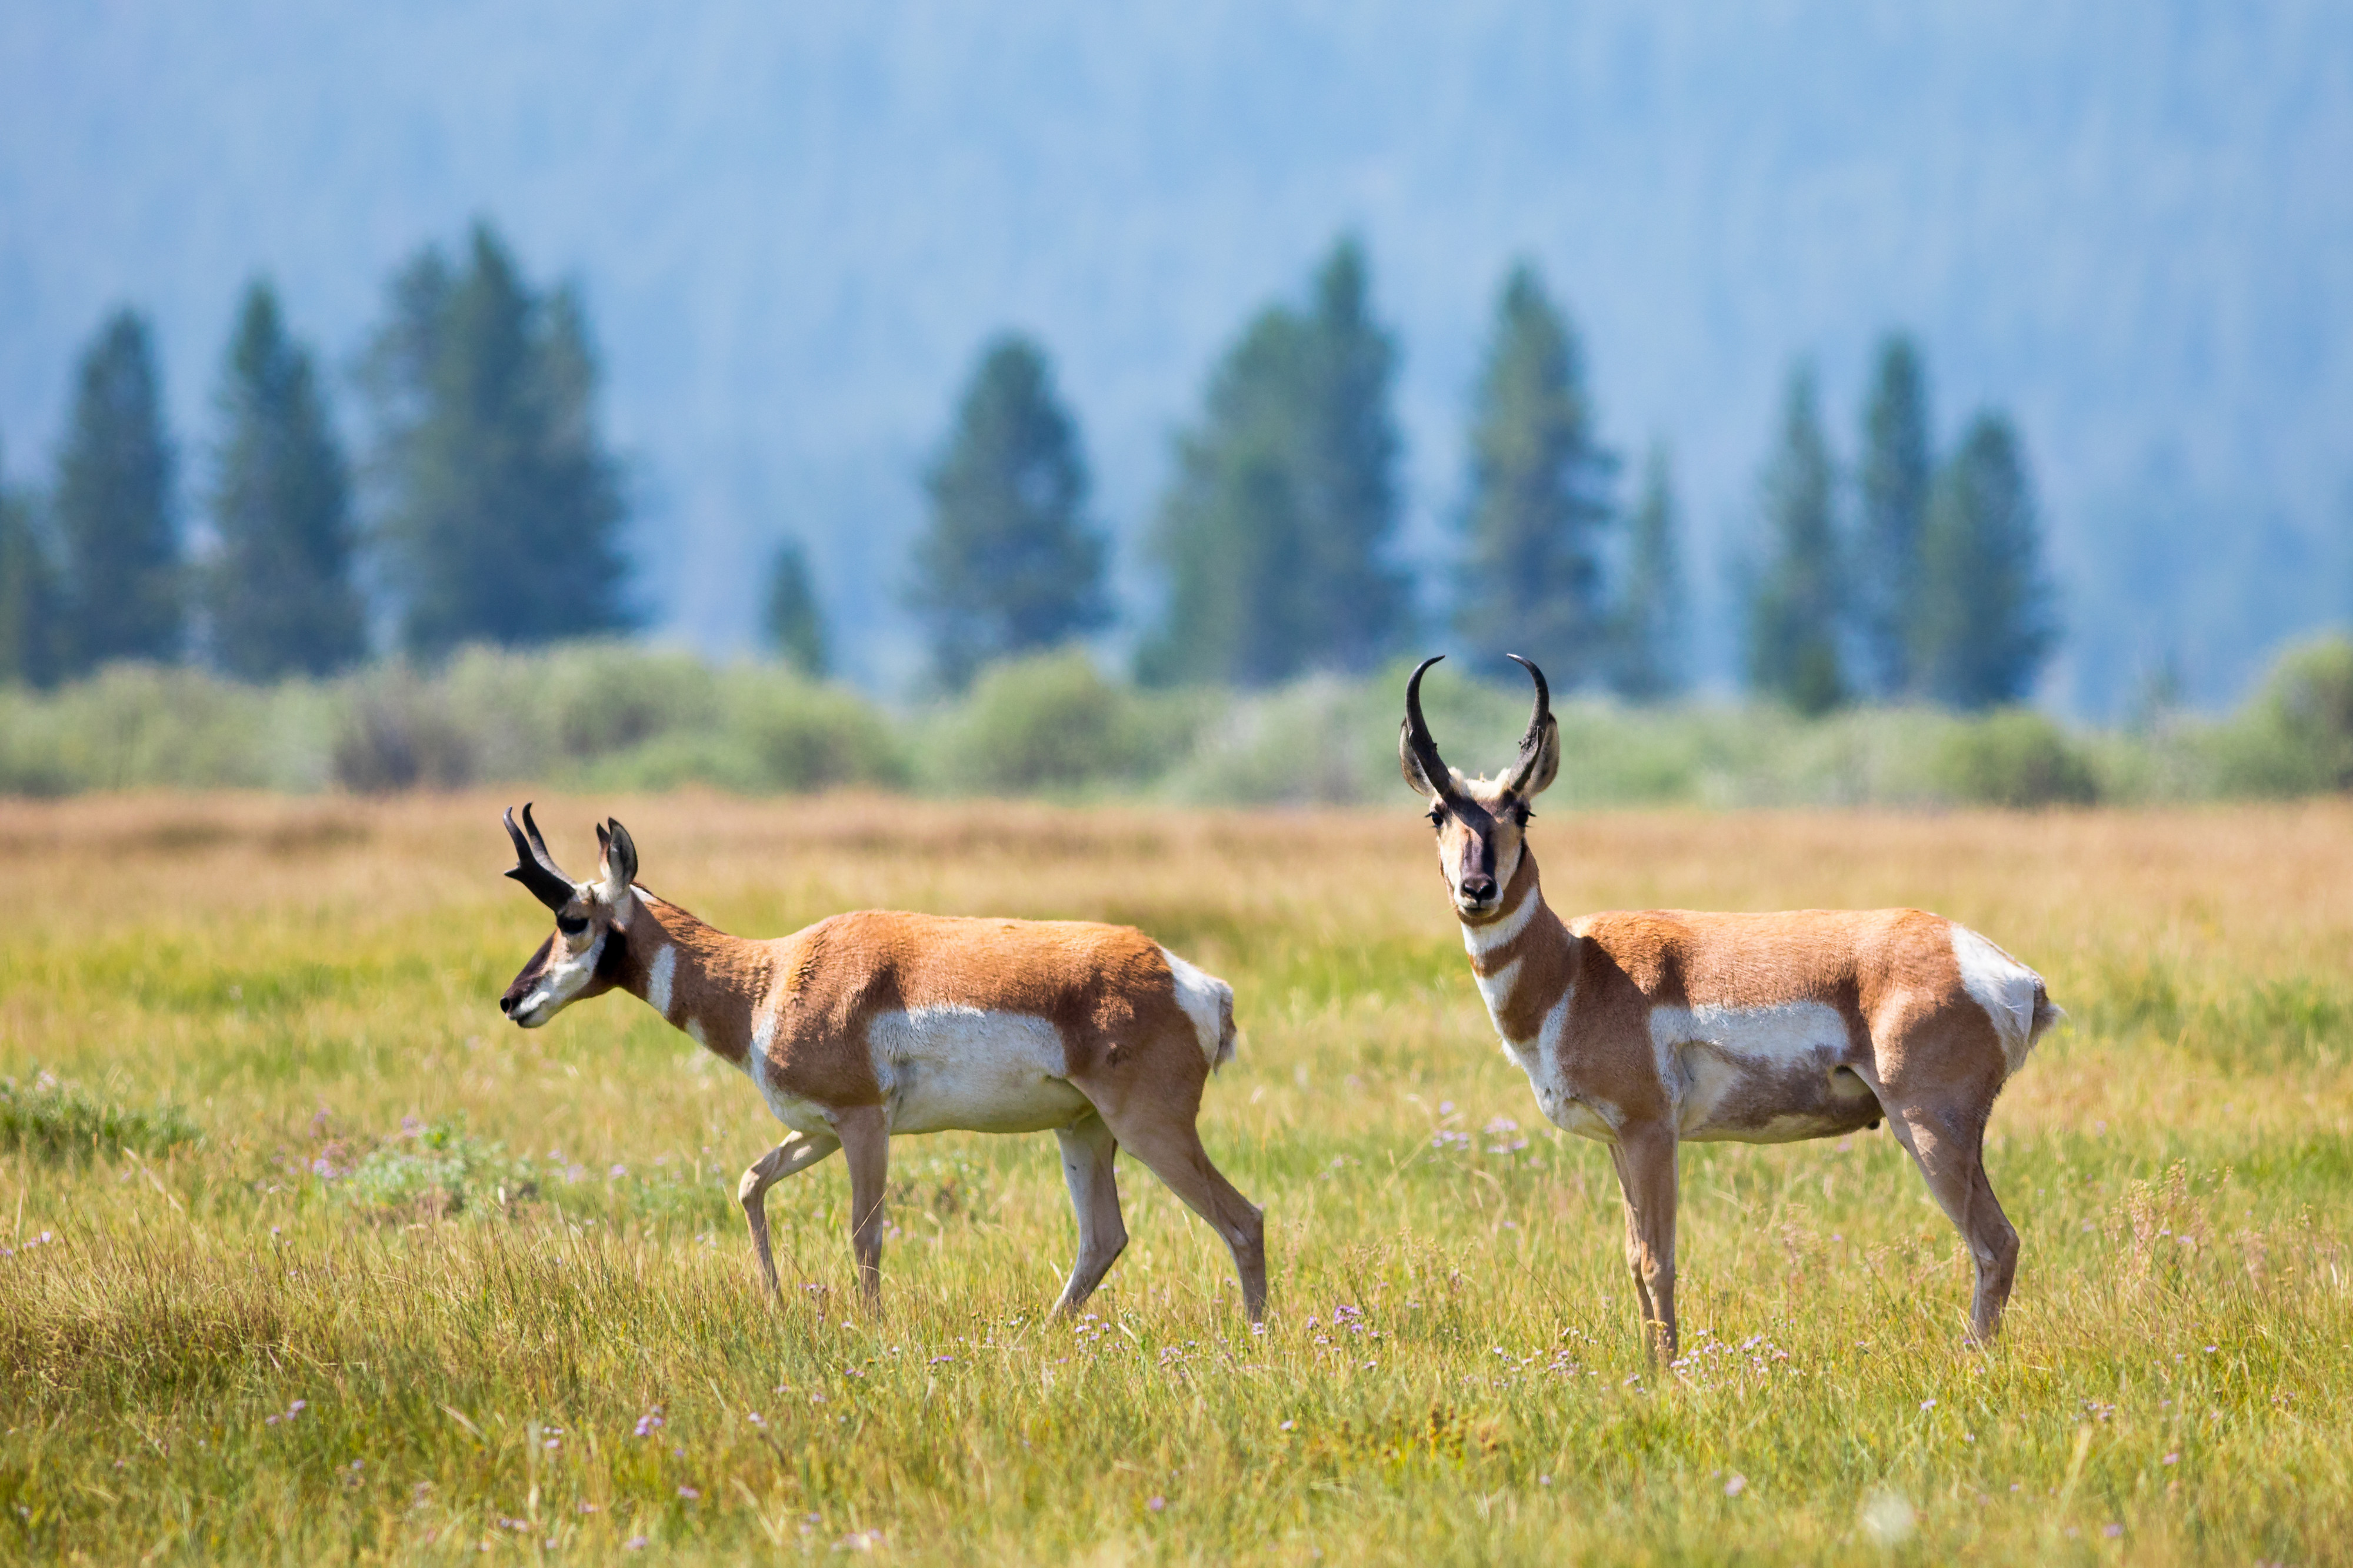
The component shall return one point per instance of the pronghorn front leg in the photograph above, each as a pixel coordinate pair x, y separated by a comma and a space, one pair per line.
1645, 1157
797, 1153
865, 1134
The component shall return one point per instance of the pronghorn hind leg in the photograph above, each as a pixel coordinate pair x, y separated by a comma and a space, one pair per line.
1645, 1157
1171, 1149
1947, 1143
865, 1134
1089, 1151
797, 1153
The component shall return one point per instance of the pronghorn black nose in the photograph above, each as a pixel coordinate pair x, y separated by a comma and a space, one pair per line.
506, 1004
1479, 889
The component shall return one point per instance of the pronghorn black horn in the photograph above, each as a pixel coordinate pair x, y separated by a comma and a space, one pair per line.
534, 868
1532, 744
1419, 749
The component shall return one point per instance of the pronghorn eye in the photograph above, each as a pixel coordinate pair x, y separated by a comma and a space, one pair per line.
572, 925
1438, 817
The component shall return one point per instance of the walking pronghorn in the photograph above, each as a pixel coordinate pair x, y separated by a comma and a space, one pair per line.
1647, 1029
875, 1023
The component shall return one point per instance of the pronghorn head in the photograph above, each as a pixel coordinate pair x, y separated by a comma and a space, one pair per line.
582, 958
1482, 823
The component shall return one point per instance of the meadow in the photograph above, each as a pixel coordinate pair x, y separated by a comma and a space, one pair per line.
307, 1256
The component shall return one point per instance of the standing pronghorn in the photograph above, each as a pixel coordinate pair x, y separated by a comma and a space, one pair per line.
875, 1023
1648, 1029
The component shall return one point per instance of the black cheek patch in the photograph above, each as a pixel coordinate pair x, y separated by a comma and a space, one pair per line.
615, 955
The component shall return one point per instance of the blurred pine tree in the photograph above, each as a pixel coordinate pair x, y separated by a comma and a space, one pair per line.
1010, 561
1987, 621
1531, 582
1894, 481
113, 507
1650, 662
1276, 530
503, 511
791, 618
30, 620
279, 593
1796, 610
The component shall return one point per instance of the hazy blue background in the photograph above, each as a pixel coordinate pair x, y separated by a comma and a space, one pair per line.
2132, 224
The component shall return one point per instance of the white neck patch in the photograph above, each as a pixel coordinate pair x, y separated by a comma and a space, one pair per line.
658, 980
1483, 940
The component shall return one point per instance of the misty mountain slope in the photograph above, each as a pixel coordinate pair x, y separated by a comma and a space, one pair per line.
794, 227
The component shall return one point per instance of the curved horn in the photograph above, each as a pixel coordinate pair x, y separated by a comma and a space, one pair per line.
1533, 745
1416, 749
534, 868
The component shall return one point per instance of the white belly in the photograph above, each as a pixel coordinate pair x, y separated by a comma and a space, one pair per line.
1764, 1075
967, 1069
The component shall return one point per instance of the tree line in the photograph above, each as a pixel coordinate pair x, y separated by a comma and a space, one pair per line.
496, 514
498, 510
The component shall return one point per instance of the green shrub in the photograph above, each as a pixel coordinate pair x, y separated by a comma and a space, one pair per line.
437, 1171
796, 734
2296, 736
136, 726
1051, 724
54, 1120
396, 732
2014, 758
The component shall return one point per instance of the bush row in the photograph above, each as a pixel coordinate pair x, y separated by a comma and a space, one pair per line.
613, 716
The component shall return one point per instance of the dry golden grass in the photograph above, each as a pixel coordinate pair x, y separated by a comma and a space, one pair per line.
302, 975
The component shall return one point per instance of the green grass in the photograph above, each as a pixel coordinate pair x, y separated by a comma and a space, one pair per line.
341, 1268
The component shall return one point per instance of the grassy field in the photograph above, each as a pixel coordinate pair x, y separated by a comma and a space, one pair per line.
312, 1257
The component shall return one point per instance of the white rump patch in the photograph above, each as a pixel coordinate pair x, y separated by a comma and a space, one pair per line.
2004, 987
1483, 940
1208, 1001
659, 978
967, 1069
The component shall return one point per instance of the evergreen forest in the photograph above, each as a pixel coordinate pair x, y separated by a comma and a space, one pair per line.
485, 509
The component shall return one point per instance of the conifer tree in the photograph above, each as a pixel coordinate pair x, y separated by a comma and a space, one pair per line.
791, 618
1345, 471
281, 591
1986, 622
1795, 608
503, 511
113, 507
1894, 481
29, 608
1275, 532
1010, 561
1652, 612
1540, 496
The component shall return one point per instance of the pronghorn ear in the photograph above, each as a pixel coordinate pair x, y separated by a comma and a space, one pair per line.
1539, 760
619, 864
1545, 766
1425, 771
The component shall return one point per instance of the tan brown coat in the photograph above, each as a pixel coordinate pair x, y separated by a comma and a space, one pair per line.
1646, 1028
880, 1022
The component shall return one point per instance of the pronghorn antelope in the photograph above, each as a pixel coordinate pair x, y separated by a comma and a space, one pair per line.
1644, 1029
875, 1023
